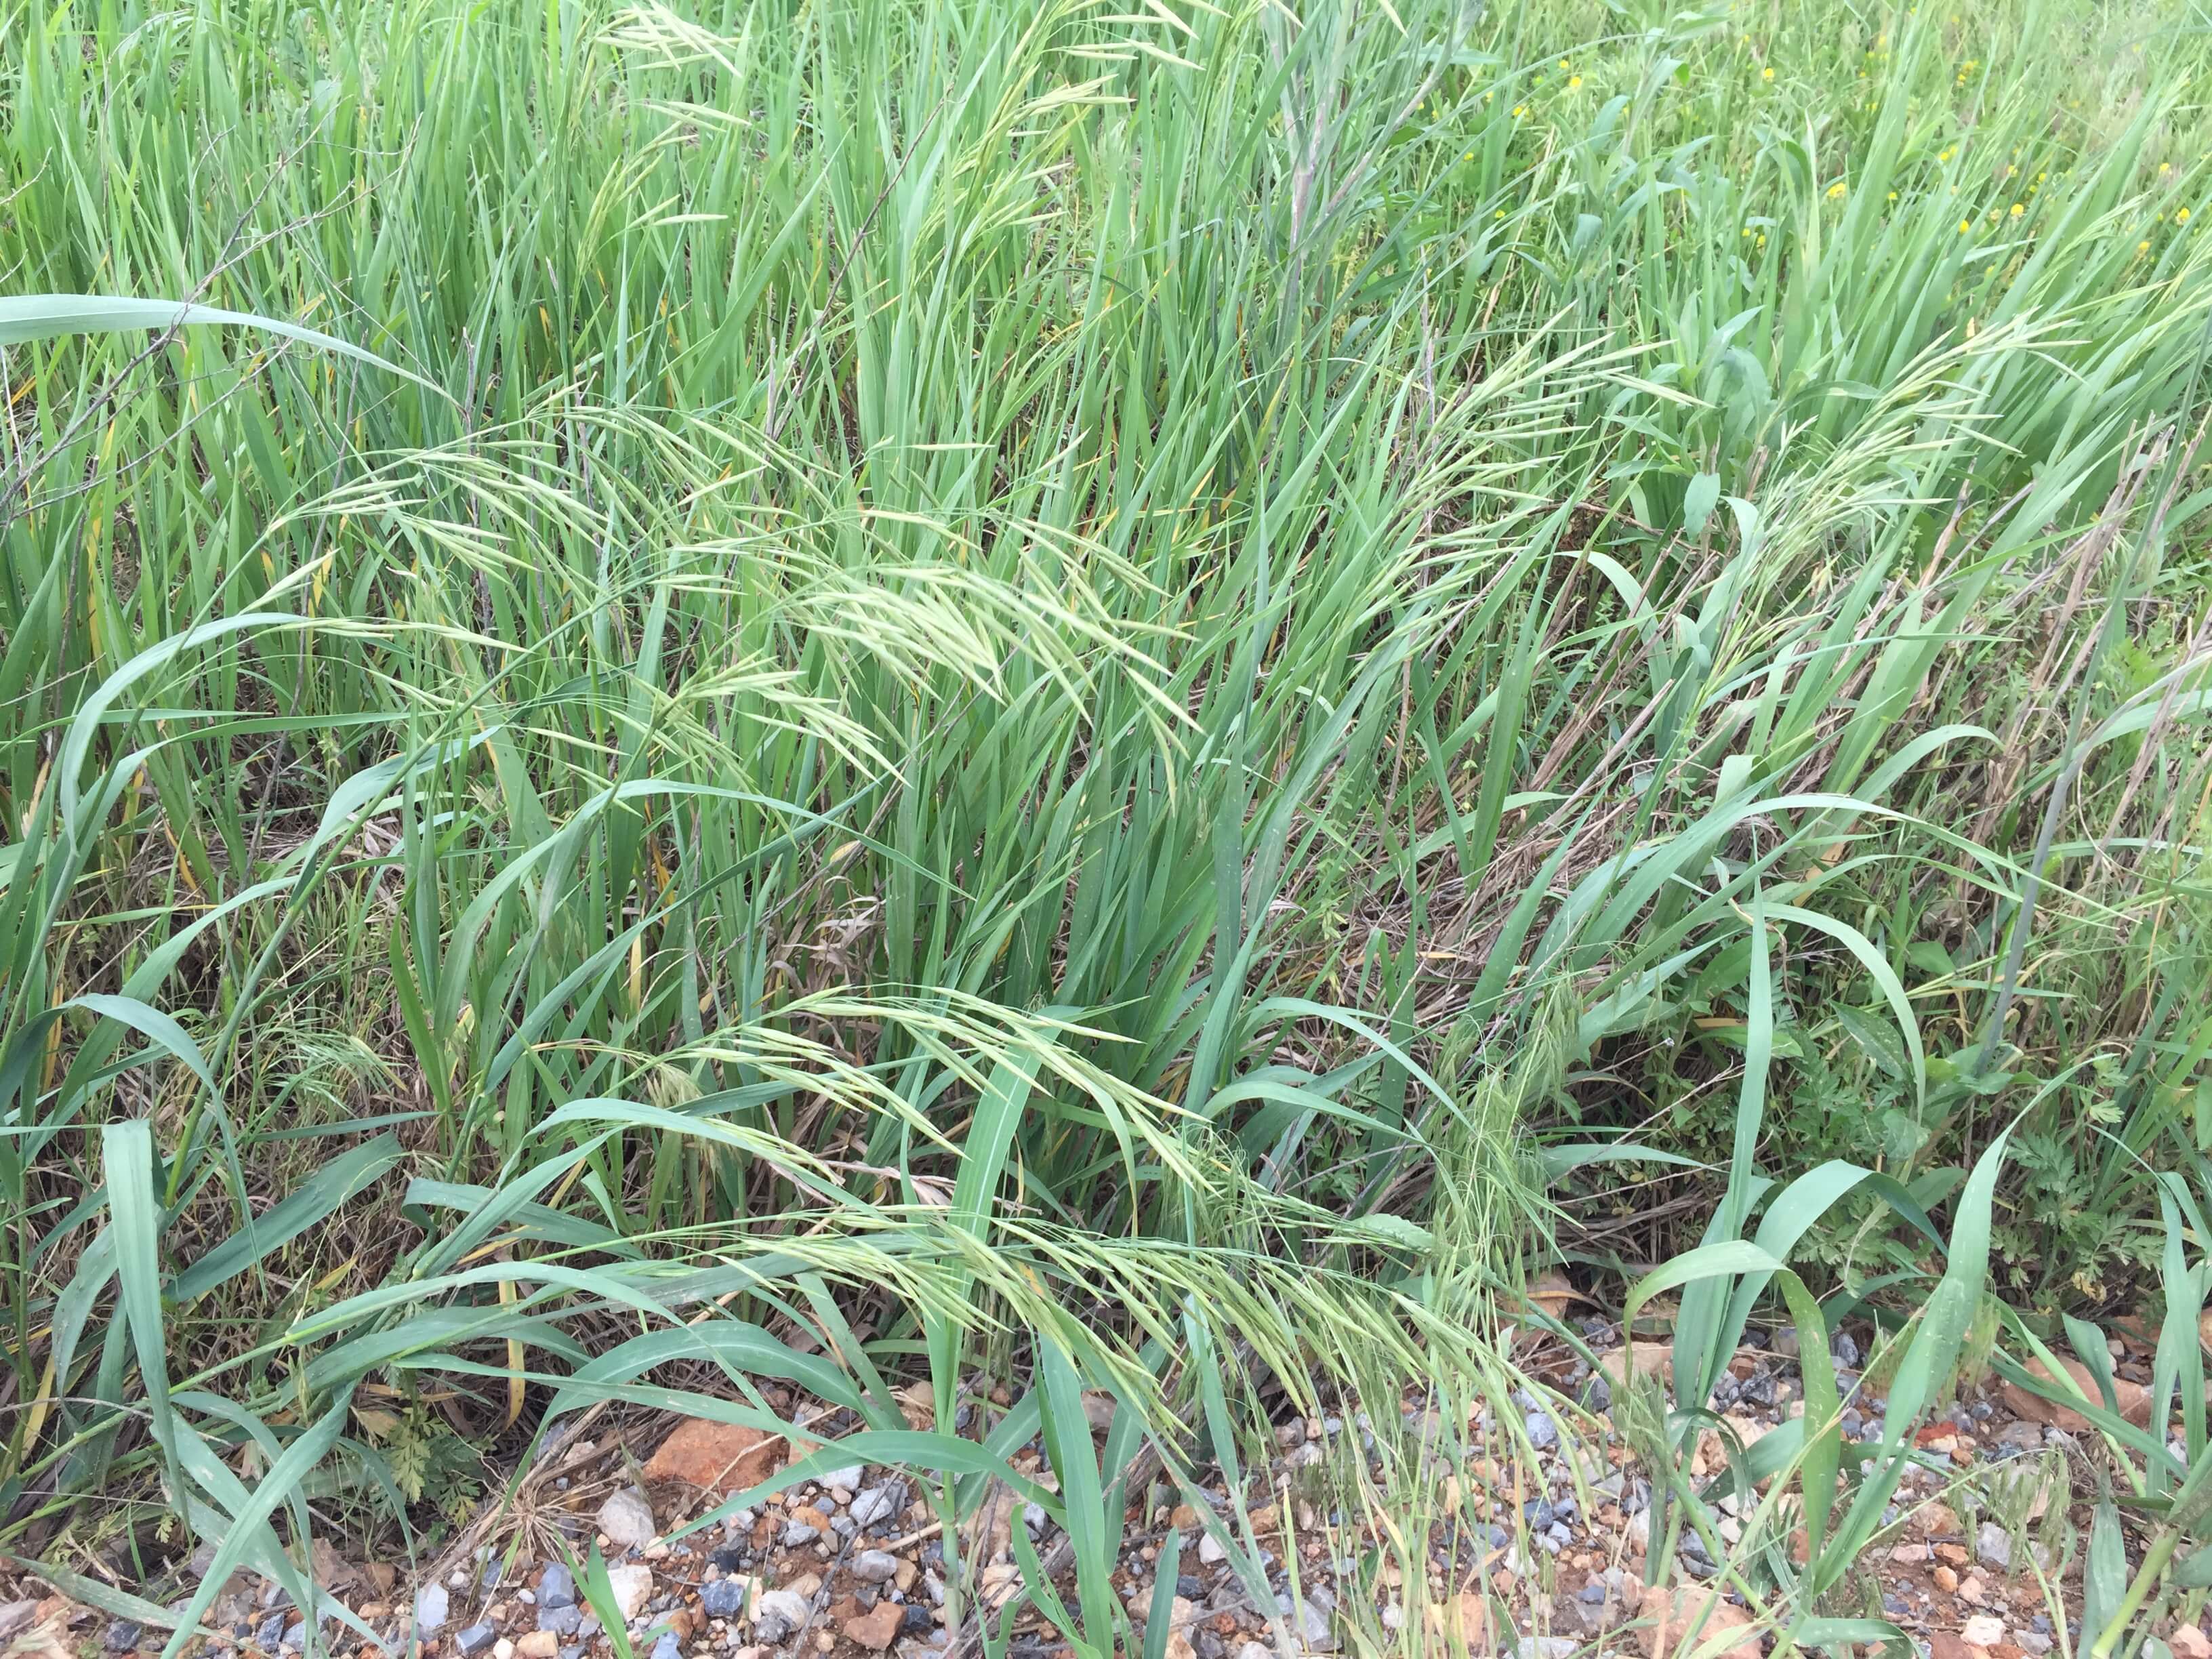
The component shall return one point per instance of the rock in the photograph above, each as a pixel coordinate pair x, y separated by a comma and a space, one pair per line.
715, 1458
560, 1622
1255, 1651
722, 1598
1461, 1622
474, 1639
627, 1519
1545, 1647
2188, 1642
502, 1649
1934, 1521
668, 1646
1983, 1631
796, 1533
432, 1605
2133, 1398
875, 1566
2020, 1437
1993, 1545
632, 1585
847, 1477
1644, 1358
777, 1614
1543, 1433
556, 1587
536, 1644
1210, 1551
2031, 1643
1674, 1622
1310, 1624
120, 1635
874, 1629
1945, 1580
879, 1503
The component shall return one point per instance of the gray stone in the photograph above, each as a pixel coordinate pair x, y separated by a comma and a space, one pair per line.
723, 1598
1308, 1622
1993, 1545
120, 1635
796, 1533
879, 1503
875, 1566
475, 1638
296, 1636
778, 1614
668, 1647
271, 1635
432, 1606
561, 1621
1547, 1647
627, 1519
556, 1587
849, 1477
1543, 1433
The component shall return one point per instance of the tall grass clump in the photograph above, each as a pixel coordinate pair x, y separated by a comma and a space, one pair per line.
1096, 697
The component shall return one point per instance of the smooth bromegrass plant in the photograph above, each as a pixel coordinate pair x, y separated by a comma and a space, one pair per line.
1114, 700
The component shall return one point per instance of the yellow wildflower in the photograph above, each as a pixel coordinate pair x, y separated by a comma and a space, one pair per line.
1574, 82
2017, 210
2181, 216
1767, 74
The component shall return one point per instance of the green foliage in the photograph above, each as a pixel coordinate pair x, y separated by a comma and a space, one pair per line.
1062, 695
